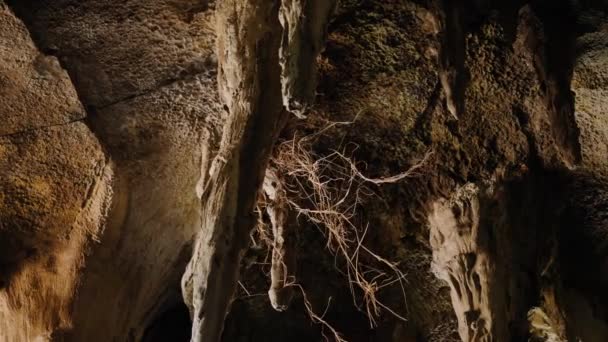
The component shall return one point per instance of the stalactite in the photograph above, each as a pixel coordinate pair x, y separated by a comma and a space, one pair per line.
113, 178
452, 72
551, 38
254, 52
460, 257
248, 37
304, 25
282, 271
472, 235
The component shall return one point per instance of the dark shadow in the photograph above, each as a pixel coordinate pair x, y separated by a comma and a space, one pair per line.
173, 324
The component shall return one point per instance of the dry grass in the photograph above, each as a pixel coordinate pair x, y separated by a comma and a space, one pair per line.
329, 189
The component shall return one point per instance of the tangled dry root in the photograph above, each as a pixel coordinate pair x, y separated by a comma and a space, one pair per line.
327, 189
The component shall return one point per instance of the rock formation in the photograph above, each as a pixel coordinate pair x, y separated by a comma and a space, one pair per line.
447, 180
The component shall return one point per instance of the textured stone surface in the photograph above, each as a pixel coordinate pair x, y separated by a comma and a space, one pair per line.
55, 190
500, 234
590, 84
55, 194
34, 90
115, 50
584, 237
161, 143
304, 31
249, 88
146, 72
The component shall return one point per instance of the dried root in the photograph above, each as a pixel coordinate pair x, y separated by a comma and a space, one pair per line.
328, 190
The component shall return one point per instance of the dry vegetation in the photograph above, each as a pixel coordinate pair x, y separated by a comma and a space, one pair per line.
328, 189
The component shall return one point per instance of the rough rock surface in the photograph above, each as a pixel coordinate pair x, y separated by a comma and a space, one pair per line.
154, 107
135, 136
56, 187
29, 78
590, 83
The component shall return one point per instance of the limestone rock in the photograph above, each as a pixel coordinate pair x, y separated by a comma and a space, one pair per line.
55, 186
34, 90
135, 137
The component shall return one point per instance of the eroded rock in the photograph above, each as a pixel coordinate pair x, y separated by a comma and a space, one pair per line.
29, 78
115, 220
282, 269
115, 51
460, 257
304, 30
55, 190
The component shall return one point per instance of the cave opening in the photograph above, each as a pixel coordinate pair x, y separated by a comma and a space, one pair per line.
173, 324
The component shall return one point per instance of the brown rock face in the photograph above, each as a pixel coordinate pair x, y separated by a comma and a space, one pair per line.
56, 189
159, 132
143, 198
29, 79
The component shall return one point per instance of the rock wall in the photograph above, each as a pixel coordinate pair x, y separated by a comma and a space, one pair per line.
56, 185
135, 137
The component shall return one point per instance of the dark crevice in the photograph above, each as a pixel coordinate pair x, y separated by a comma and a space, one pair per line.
424, 119
452, 71
523, 119
551, 39
583, 252
173, 324
166, 83
34, 129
